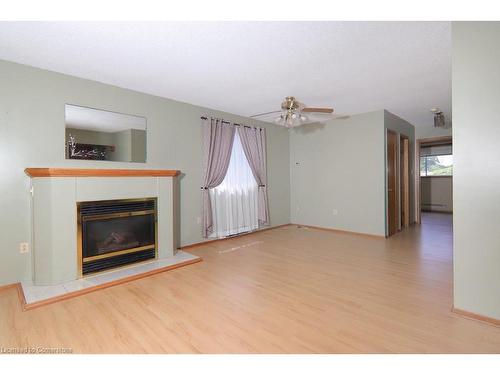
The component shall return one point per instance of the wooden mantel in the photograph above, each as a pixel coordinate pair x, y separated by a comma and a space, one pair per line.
78, 172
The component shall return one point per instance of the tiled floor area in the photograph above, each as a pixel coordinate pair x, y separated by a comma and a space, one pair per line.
37, 293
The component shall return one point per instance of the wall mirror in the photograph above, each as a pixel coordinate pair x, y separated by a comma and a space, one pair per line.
94, 134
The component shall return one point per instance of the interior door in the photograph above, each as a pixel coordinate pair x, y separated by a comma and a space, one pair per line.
392, 206
405, 182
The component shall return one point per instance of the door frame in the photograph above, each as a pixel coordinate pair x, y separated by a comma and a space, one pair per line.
397, 209
404, 188
419, 143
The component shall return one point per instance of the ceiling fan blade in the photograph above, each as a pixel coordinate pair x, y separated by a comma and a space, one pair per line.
323, 118
319, 110
265, 113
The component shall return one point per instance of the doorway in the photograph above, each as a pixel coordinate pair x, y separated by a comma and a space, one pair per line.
434, 182
398, 184
392, 174
404, 183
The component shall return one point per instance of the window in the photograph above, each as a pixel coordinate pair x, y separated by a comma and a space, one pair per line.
436, 161
234, 201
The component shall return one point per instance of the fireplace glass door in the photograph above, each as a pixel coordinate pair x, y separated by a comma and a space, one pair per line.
116, 233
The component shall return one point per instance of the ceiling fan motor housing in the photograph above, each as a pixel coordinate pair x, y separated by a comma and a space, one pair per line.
290, 104
439, 121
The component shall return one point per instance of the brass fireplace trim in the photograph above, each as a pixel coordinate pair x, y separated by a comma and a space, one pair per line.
114, 253
81, 260
119, 214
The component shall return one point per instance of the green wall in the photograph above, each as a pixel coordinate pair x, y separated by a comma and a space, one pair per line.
32, 134
337, 174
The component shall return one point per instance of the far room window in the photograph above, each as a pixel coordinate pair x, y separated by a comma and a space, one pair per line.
436, 161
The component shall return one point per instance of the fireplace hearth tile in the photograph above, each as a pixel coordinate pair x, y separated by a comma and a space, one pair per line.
37, 294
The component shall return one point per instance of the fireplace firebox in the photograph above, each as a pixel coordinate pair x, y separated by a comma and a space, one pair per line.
116, 233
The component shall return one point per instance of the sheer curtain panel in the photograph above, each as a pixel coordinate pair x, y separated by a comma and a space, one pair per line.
253, 141
235, 201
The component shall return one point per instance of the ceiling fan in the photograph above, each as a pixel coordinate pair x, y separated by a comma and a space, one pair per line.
439, 119
294, 113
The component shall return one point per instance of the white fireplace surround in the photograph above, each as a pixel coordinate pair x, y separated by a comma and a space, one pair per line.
54, 215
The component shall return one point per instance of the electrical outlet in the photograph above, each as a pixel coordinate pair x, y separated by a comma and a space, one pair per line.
24, 247
335, 211
198, 220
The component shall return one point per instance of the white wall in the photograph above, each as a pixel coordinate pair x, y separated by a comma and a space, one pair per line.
476, 185
339, 166
32, 134
436, 193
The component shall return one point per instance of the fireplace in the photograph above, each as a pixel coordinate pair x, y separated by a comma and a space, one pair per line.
116, 233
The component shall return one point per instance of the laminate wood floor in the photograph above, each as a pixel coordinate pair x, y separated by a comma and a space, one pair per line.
285, 290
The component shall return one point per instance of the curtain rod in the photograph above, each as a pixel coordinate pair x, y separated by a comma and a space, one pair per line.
227, 122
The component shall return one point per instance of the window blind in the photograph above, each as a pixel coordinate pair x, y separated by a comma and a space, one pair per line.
436, 150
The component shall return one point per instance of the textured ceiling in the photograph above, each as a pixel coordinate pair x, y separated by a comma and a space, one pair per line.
249, 67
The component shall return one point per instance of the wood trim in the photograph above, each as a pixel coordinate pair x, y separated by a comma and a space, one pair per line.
418, 207
78, 172
405, 189
20, 294
342, 231
430, 141
474, 316
29, 306
8, 286
207, 242
392, 186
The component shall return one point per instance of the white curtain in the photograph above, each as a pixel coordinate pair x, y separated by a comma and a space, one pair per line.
234, 201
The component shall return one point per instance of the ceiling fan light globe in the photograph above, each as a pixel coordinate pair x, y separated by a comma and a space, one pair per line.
292, 113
